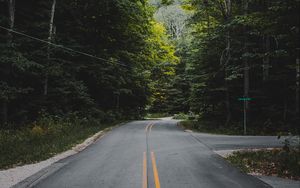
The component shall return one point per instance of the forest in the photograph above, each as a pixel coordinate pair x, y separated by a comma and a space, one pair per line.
93, 58
108, 60
235, 56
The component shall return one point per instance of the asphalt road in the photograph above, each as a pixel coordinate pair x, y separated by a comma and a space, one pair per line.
225, 142
152, 154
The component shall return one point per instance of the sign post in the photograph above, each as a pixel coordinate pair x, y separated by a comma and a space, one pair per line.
245, 99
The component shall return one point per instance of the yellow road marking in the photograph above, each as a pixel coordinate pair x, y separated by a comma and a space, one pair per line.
145, 181
155, 172
146, 129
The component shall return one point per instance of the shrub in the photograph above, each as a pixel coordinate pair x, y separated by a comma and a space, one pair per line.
180, 116
37, 131
157, 115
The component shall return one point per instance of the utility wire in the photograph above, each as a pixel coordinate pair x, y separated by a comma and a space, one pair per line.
63, 47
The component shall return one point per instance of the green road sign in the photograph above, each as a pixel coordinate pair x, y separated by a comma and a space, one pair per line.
245, 99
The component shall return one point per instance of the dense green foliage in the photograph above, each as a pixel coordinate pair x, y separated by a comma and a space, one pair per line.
37, 78
220, 51
236, 49
174, 90
219, 69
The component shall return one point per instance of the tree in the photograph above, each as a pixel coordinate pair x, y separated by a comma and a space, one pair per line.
174, 19
51, 33
243, 38
86, 57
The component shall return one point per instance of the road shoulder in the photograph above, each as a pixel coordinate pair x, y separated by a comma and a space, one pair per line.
277, 182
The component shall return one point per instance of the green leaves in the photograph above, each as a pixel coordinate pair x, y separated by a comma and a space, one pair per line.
265, 37
8, 93
122, 32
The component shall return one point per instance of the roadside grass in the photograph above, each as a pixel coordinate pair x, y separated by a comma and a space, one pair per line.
275, 162
215, 127
156, 115
181, 116
210, 127
184, 116
43, 139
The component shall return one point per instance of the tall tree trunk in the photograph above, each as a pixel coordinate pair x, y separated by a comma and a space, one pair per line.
246, 73
246, 93
226, 57
51, 32
227, 5
11, 22
228, 104
11, 11
266, 59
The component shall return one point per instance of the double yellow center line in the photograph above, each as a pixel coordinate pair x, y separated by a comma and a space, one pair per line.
154, 167
149, 128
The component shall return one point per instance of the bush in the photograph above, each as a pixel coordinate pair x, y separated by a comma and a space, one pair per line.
37, 131
180, 116
191, 125
157, 115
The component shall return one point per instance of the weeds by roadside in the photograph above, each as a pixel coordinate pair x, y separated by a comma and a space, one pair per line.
156, 115
43, 139
210, 127
213, 127
275, 162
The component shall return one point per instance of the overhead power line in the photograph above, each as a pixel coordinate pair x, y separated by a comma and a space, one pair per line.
65, 48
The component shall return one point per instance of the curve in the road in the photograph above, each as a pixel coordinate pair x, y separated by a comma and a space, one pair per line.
125, 156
